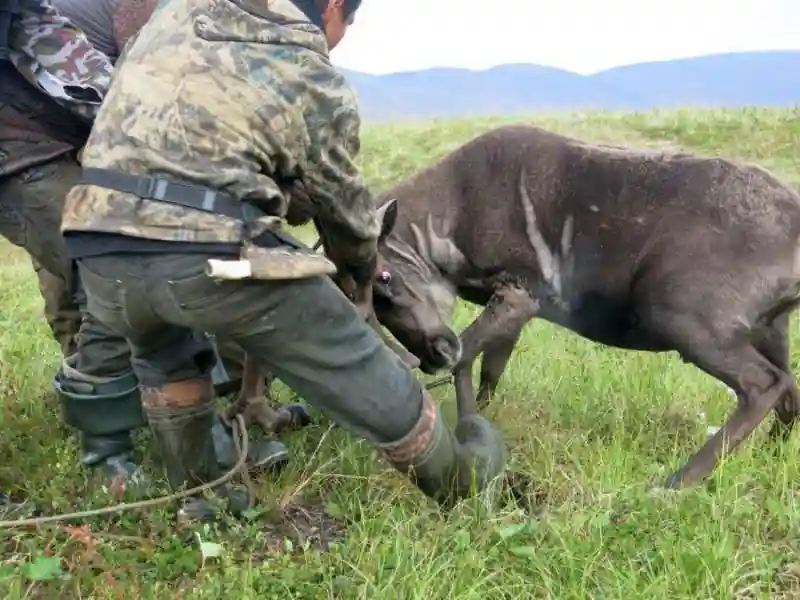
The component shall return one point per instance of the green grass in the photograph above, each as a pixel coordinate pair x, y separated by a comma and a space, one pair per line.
592, 426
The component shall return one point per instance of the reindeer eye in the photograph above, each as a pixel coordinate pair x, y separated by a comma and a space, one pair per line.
384, 278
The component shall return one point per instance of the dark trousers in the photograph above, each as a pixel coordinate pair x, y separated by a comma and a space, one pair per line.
30, 217
31, 203
306, 332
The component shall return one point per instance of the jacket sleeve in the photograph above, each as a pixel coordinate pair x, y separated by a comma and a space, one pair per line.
53, 54
335, 184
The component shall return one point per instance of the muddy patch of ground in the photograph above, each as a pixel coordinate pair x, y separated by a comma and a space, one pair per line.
305, 524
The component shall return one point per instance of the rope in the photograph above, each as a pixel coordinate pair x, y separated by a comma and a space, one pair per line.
242, 444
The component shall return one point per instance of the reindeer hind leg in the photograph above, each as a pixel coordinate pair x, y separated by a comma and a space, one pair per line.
256, 405
758, 382
774, 344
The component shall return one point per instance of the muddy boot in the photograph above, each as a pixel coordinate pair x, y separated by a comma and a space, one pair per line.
181, 416
448, 465
105, 411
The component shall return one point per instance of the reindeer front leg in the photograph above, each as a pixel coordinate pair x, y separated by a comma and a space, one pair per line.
252, 404
496, 354
506, 313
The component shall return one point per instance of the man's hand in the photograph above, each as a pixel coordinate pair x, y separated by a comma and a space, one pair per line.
355, 273
300, 208
362, 272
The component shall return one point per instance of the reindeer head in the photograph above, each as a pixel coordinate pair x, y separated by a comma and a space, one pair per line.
410, 295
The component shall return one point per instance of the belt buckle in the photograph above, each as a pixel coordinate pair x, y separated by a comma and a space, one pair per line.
146, 187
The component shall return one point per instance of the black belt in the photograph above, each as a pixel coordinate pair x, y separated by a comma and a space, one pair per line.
180, 194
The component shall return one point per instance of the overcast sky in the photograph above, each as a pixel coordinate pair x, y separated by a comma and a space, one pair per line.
580, 35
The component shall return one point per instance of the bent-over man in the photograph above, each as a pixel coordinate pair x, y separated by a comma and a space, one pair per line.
242, 97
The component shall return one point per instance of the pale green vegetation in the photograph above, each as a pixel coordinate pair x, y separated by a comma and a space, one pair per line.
592, 426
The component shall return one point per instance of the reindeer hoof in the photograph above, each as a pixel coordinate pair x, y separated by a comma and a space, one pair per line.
673, 482
287, 417
282, 418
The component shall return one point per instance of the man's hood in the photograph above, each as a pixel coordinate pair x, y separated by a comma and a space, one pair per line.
311, 11
290, 22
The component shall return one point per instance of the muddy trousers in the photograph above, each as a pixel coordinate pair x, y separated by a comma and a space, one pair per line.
97, 388
308, 334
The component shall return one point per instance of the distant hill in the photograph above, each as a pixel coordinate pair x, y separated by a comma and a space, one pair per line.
721, 80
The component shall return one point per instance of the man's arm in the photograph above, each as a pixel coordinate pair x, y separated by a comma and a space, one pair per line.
336, 186
56, 56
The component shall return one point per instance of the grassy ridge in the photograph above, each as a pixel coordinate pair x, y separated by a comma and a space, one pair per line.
593, 426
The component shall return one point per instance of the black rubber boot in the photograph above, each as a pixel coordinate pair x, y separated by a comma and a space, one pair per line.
181, 416
105, 411
448, 465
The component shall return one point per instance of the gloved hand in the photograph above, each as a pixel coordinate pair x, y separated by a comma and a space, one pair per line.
479, 443
352, 255
356, 264
361, 271
300, 209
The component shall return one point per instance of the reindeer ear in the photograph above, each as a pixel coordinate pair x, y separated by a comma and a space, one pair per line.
387, 217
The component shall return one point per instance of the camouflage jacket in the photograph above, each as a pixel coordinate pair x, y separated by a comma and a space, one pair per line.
56, 57
51, 85
238, 98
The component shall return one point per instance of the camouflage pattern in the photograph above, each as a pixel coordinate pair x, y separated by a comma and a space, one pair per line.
224, 116
31, 199
108, 24
56, 57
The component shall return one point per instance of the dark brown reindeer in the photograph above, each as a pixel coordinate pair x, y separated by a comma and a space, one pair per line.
632, 249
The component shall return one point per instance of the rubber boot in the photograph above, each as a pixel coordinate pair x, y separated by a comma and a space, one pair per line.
448, 465
181, 416
105, 411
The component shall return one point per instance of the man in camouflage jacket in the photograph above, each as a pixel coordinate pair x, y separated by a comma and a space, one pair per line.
52, 80
241, 97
